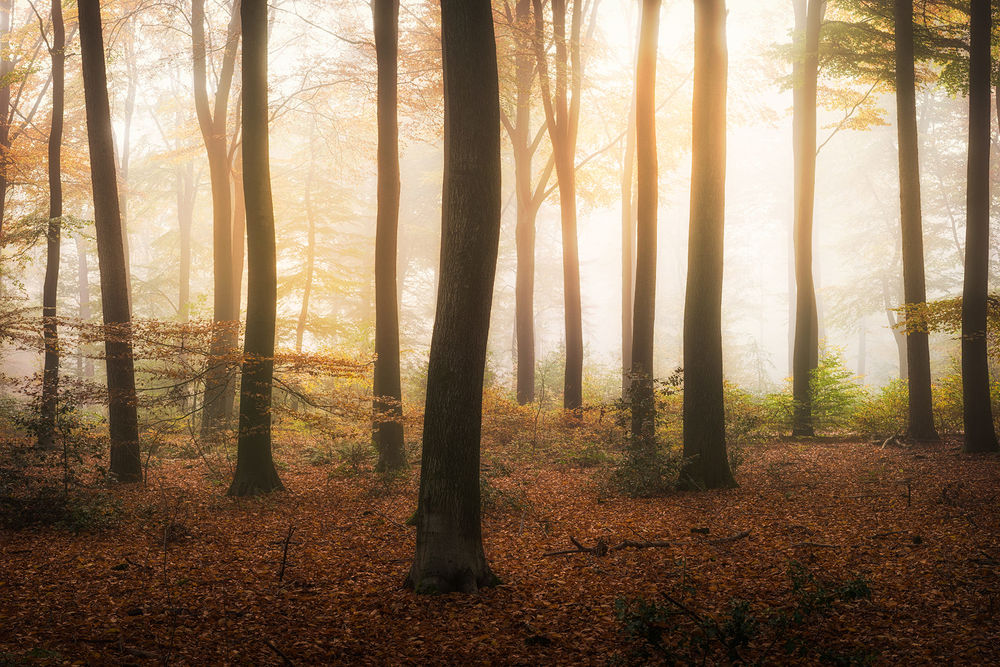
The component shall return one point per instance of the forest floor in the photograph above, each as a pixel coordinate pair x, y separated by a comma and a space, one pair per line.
844, 552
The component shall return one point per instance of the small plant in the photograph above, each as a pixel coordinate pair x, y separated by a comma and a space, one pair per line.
496, 497
883, 413
835, 393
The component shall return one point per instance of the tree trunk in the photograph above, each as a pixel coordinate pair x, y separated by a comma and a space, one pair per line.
84, 364
50, 375
6, 66
642, 397
808, 19
185, 216
562, 118
300, 327
255, 471
125, 462
239, 227
980, 435
704, 412
387, 408
220, 381
527, 209
921, 415
628, 247
449, 553
124, 159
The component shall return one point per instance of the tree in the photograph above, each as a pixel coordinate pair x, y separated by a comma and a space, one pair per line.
642, 395
704, 412
6, 69
220, 385
255, 471
122, 418
387, 408
980, 435
529, 196
449, 553
50, 374
562, 118
918, 362
805, 354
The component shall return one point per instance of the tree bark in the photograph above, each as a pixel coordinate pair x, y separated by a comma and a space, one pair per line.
562, 119
918, 359
6, 66
255, 472
122, 418
449, 552
220, 381
805, 356
50, 330
387, 408
704, 411
980, 434
643, 402
84, 364
628, 249
186, 194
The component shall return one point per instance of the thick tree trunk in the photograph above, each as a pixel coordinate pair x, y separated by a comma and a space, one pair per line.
643, 402
921, 415
704, 412
980, 435
50, 374
449, 553
125, 462
220, 381
387, 408
808, 19
255, 471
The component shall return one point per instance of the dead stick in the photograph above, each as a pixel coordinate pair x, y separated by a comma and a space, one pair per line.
278, 651
731, 538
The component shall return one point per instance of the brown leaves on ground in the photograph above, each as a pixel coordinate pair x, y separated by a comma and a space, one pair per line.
192, 577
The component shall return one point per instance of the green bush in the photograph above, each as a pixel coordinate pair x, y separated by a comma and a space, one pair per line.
883, 413
835, 393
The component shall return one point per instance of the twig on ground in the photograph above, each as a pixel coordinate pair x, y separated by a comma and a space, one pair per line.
281, 655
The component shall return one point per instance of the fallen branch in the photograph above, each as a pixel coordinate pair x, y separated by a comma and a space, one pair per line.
274, 648
731, 538
599, 549
815, 545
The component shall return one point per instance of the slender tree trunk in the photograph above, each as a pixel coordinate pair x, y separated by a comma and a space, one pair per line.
449, 552
255, 471
6, 66
50, 375
527, 210
642, 396
84, 364
704, 411
862, 349
387, 407
124, 160
628, 247
185, 217
809, 19
123, 422
921, 415
980, 435
562, 119
239, 229
300, 327
220, 381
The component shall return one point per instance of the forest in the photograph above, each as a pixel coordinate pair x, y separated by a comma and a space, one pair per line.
499, 332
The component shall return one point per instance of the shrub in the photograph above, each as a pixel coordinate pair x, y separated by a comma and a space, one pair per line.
884, 412
835, 393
